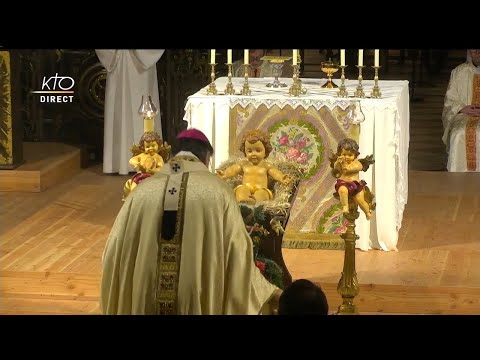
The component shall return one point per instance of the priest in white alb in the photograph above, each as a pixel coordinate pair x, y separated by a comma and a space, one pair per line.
461, 116
130, 74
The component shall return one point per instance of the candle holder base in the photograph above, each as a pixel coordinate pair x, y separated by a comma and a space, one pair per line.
246, 90
359, 93
342, 91
376, 93
212, 88
246, 87
229, 90
296, 89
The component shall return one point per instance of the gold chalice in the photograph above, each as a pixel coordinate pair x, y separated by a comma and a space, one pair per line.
329, 68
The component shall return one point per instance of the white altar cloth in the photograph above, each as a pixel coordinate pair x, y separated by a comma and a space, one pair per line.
384, 133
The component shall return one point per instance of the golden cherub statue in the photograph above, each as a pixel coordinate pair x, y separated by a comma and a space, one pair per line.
346, 167
146, 159
254, 169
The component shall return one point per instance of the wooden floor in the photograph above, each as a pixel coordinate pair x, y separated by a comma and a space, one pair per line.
51, 246
437, 267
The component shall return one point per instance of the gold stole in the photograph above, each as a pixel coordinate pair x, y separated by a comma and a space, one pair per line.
471, 127
169, 256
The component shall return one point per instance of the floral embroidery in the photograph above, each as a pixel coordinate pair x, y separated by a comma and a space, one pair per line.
297, 141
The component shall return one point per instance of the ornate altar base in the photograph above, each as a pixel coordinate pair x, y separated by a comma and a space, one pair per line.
46, 164
307, 137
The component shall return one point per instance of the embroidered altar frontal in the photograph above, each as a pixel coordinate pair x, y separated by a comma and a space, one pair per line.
306, 136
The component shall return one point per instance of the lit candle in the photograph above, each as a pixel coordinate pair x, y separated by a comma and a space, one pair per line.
295, 56
229, 56
212, 56
342, 57
377, 57
148, 124
360, 57
245, 57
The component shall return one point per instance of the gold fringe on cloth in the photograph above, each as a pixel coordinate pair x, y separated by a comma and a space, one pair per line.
312, 241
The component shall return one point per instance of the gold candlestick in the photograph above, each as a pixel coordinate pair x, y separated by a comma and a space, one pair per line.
348, 285
359, 91
229, 90
246, 87
376, 93
212, 89
296, 88
342, 91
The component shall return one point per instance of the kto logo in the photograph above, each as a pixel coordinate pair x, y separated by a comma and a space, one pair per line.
56, 85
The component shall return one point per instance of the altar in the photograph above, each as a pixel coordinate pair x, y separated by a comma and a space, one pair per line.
306, 129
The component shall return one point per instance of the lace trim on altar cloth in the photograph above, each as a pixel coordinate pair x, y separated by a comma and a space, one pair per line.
294, 103
331, 103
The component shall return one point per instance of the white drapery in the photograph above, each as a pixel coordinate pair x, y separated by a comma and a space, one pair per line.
130, 74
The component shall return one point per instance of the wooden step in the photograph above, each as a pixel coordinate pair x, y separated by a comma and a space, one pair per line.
427, 122
46, 164
422, 147
421, 132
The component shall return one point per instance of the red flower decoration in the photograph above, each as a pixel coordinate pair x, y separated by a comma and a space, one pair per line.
260, 265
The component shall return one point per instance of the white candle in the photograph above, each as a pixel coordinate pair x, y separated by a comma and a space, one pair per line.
360, 57
229, 56
295, 56
212, 56
245, 56
342, 57
377, 57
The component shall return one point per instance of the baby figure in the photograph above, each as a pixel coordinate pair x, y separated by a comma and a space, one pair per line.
254, 169
346, 168
147, 163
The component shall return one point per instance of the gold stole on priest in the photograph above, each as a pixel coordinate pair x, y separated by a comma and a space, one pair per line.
471, 127
170, 247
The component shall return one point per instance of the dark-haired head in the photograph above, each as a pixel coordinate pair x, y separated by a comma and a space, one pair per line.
348, 145
303, 297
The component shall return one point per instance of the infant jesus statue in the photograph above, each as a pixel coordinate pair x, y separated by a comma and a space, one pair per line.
255, 169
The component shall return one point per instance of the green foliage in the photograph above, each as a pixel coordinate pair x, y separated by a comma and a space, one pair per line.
327, 215
272, 271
